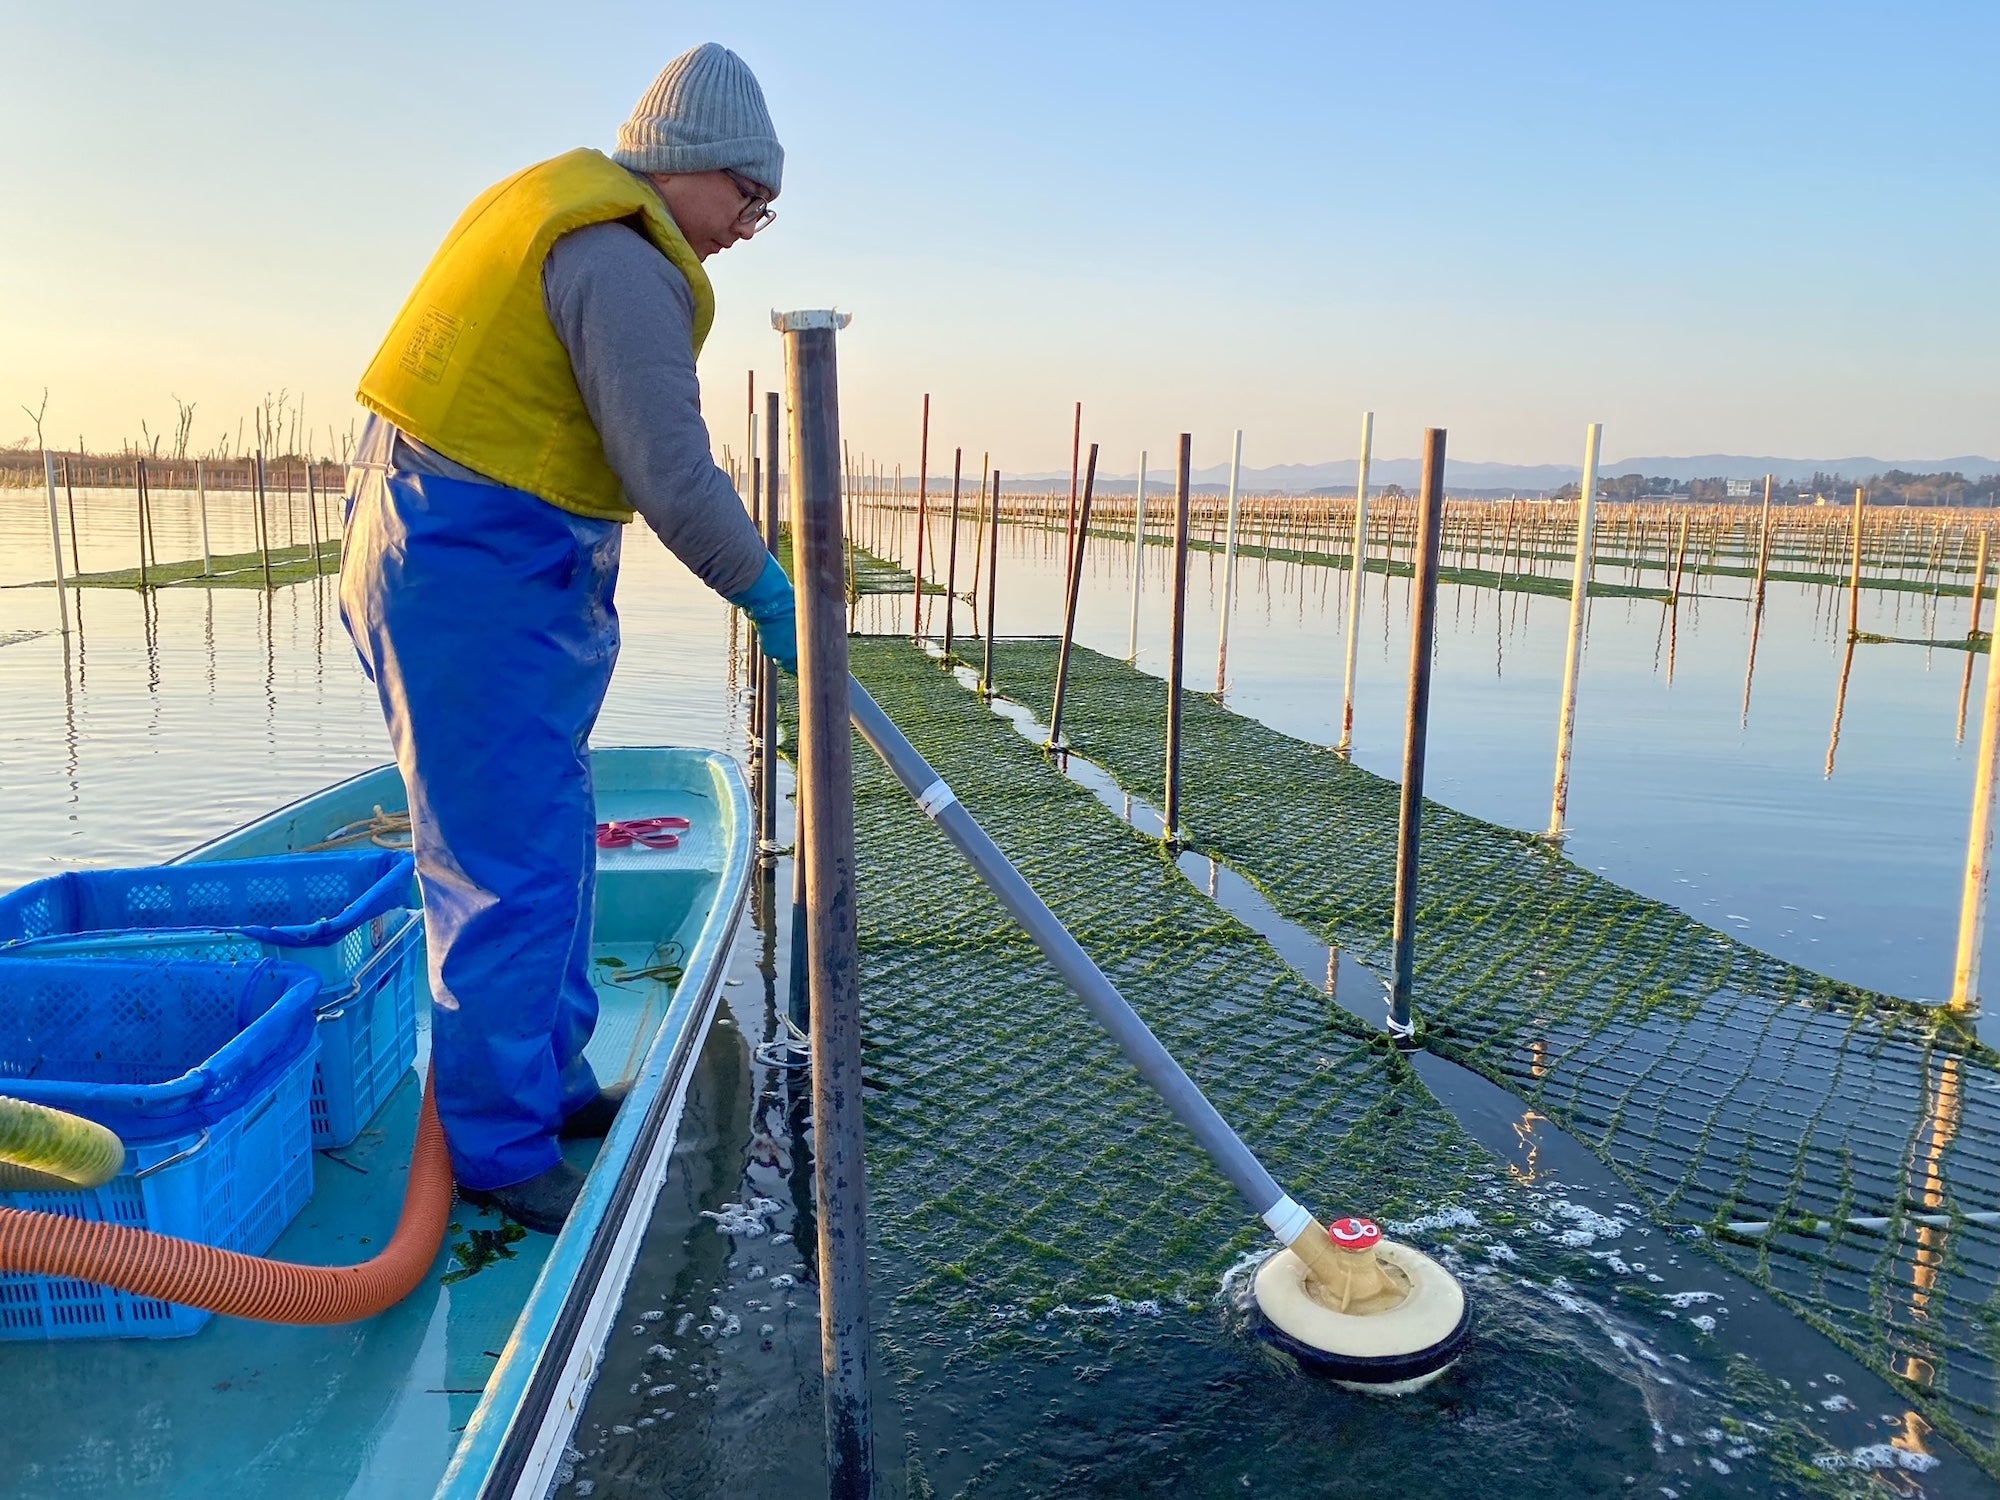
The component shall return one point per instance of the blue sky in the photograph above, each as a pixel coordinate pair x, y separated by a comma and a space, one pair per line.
1748, 228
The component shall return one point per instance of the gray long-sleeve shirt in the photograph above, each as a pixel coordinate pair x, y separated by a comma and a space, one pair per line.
626, 315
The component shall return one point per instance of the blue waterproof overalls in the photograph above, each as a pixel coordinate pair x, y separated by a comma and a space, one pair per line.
484, 617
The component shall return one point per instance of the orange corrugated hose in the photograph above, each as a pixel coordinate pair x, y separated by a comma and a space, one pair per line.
245, 1286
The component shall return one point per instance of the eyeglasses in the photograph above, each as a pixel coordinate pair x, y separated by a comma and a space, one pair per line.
757, 211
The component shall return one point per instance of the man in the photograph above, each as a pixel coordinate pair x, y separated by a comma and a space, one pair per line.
537, 389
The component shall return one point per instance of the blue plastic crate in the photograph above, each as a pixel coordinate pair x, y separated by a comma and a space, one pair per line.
344, 914
367, 1019
205, 1071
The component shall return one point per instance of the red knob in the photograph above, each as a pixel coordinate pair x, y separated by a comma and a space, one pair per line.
1354, 1234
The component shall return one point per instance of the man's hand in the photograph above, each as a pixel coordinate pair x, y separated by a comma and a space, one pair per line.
772, 609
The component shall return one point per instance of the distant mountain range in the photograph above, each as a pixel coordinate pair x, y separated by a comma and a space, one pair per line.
1473, 477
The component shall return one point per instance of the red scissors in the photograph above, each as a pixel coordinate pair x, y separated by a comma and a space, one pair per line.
648, 833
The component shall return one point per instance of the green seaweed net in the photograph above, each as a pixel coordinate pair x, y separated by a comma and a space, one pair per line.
866, 572
1048, 1246
234, 570
1720, 1083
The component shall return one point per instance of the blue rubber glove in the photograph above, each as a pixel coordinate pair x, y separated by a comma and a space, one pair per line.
771, 608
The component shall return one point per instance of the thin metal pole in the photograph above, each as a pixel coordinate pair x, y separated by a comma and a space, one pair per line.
992, 578
1978, 850
1409, 819
55, 541
1579, 602
1055, 740
826, 808
1228, 568
201, 497
1359, 571
767, 681
951, 556
1138, 558
1171, 803
923, 493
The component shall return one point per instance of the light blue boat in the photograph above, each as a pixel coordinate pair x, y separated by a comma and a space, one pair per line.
472, 1386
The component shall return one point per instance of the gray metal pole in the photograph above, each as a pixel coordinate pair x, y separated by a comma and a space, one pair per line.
1055, 740
1423, 632
826, 811
1291, 1223
1171, 803
992, 578
951, 556
767, 682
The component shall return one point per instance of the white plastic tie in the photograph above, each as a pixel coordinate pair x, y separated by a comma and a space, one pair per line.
1288, 1219
935, 798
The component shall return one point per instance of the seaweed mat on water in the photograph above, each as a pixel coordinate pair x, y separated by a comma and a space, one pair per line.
1722, 1084
1025, 1184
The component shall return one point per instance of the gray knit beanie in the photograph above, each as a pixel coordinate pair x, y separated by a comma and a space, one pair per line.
703, 113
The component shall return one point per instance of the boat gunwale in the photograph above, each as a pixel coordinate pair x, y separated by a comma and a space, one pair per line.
534, 1396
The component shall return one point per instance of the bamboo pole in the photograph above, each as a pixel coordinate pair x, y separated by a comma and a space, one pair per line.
1228, 568
69, 500
1358, 569
1972, 631
139, 502
1138, 558
992, 581
951, 557
1055, 739
1075, 448
1171, 803
923, 494
201, 499
1416, 730
1578, 605
55, 542
263, 521
826, 809
1854, 578
1978, 852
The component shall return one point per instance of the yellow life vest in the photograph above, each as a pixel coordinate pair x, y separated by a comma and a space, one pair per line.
472, 366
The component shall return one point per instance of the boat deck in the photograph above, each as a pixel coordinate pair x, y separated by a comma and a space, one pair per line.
380, 1407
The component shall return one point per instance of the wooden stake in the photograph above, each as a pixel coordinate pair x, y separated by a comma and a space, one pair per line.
826, 810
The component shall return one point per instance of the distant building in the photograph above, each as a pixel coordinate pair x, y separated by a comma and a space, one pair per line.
1741, 489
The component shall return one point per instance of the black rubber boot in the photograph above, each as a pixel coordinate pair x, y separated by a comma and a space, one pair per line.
541, 1203
592, 1122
